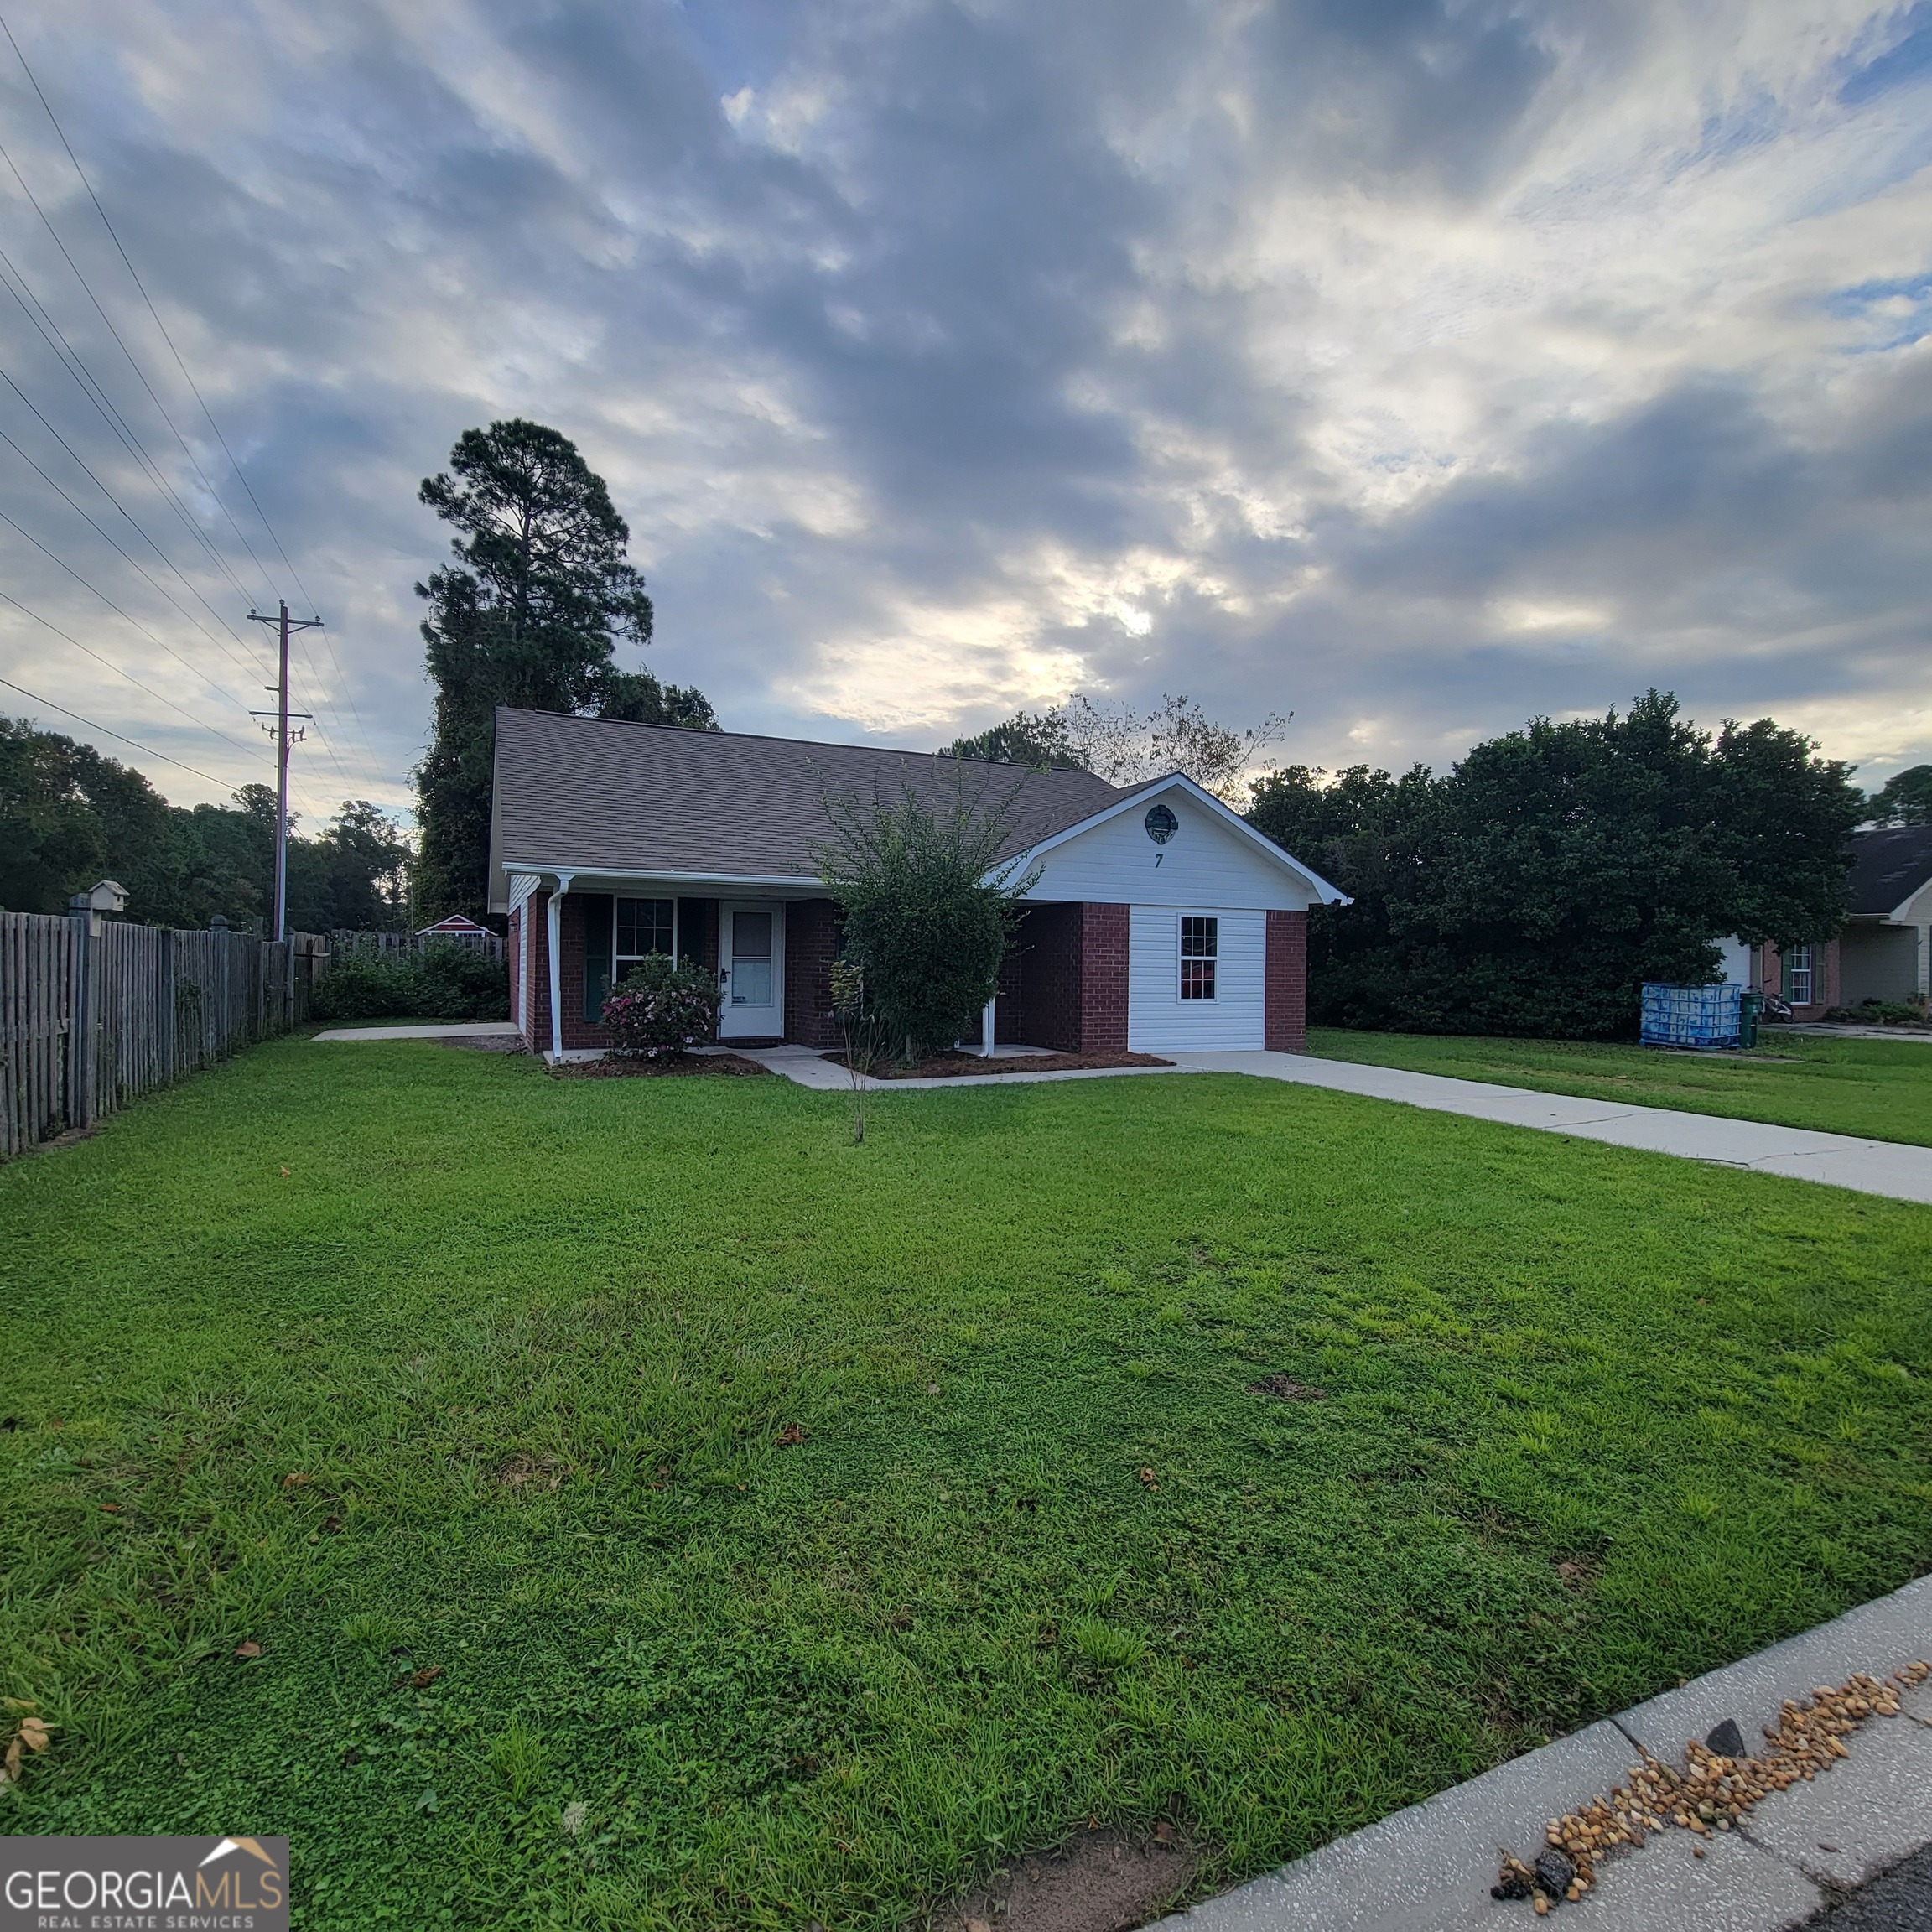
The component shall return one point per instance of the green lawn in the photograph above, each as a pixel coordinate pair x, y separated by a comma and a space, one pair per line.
1594, 1420
1879, 1089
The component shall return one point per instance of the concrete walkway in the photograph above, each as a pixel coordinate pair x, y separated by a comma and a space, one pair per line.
1429, 1868
452, 1029
1887, 1167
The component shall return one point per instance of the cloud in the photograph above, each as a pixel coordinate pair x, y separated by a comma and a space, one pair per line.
1413, 366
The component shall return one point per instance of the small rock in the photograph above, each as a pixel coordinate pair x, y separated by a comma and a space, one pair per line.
1554, 1873
1727, 1741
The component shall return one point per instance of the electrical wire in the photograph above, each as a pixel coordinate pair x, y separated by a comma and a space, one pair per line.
253, 670
120, 737
159, 643
161, 697
187, 375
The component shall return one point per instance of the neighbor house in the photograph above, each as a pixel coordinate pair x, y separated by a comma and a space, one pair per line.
1158, 919
1885, 950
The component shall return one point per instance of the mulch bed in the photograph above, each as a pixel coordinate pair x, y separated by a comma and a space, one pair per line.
615, 1069
951, 1066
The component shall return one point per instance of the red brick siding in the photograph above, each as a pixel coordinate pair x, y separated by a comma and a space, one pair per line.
810, 945
579, 1033
1040, 981
537, 1019
698, 932
1285, 1024
1103, 979
1826, 979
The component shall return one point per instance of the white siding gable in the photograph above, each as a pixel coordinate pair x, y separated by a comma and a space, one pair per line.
1207, 864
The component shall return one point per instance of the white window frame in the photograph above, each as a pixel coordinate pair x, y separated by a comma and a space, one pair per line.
1801, 963
1183, 957
620, 961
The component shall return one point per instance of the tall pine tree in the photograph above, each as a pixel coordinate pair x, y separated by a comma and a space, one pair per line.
530, 614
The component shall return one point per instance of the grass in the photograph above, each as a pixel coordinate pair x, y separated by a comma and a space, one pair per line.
472, 1397
1881, 1089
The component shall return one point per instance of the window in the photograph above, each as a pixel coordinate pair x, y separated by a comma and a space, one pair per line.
1200, 946
1798, 975
644, 925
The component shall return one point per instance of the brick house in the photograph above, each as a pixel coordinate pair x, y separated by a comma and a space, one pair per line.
1159, 919
1885, 950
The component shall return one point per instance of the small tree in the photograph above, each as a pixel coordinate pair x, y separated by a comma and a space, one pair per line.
860, 1026
662, 1010
928, 907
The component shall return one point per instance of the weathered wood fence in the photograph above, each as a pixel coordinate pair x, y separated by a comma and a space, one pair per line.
94, 1013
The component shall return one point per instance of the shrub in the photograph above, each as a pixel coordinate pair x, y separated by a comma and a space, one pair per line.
927, 909
662, 1009
441, 981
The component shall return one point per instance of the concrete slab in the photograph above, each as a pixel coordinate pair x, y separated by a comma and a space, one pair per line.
1890, 1168
1735, 1887
1877, 1637
801, 1064
1428, 1868
1899, 1902
1860, 1818
444, 1030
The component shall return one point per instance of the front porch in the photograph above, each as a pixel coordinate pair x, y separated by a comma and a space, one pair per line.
1062, 986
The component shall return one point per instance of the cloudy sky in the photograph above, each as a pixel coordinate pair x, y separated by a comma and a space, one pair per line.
1415, 366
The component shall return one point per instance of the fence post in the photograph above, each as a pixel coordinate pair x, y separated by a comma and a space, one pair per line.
81, 1014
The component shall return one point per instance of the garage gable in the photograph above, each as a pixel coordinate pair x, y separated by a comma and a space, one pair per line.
1171, 844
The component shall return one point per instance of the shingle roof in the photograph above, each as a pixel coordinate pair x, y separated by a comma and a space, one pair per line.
1889, 867
598, 794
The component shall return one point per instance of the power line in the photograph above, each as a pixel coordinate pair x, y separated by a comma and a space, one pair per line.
72, 359
120, 737
195, 389
159, 643
160, 698
252, 669
91, 386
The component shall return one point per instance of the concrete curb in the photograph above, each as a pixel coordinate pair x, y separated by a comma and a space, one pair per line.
1429, 1868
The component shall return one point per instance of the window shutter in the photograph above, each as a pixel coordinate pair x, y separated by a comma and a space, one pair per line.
599, 909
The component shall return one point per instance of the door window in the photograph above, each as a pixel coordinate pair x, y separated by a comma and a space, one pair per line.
750, 958
1200, 950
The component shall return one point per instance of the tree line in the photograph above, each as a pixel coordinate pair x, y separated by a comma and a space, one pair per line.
1537, 884
68, 816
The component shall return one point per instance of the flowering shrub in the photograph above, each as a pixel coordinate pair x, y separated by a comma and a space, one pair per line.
662, 1009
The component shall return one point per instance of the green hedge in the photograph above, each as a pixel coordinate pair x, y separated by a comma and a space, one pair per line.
441, 982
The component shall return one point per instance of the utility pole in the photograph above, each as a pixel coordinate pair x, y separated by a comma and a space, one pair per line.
280, 732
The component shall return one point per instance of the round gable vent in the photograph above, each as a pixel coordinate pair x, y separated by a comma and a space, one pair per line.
1161, 824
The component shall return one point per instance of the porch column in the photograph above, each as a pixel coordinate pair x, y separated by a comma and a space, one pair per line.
1924, 960
986, 1026
556, 936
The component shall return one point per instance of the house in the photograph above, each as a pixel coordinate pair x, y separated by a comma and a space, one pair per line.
1159, 919
1885, 951
455, 927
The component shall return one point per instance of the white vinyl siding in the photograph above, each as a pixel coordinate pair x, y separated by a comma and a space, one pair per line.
1158, 1018
1205, 864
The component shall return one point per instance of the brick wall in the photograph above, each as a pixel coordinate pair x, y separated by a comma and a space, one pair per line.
810, 945
1827, 975
537, 1021
698, 932
1103, 979
1040, 981
1284, 1027
577, 1032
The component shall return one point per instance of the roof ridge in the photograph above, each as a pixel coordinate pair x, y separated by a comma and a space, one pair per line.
809, 744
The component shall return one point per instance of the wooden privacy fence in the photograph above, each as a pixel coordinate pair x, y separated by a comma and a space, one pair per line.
94, 1013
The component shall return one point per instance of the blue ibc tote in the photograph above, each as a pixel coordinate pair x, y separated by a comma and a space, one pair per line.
1694, 1016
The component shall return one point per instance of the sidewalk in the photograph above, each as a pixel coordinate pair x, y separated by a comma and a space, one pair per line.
1429, 1868
1885, 1167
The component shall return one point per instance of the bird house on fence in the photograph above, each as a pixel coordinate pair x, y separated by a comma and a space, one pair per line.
97, 901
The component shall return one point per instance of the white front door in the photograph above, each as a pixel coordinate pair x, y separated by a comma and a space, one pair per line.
751, 971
